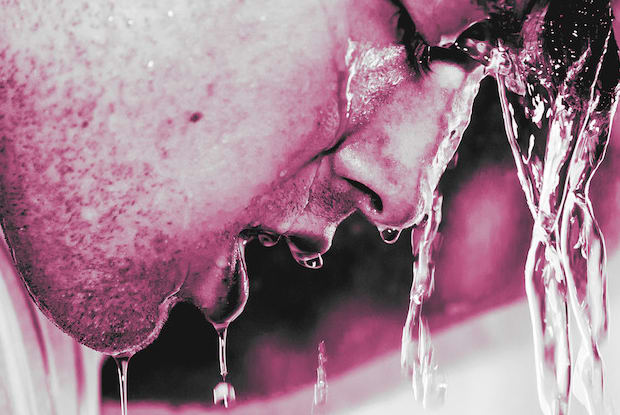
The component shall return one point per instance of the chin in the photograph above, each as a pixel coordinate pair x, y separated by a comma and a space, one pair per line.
113, 306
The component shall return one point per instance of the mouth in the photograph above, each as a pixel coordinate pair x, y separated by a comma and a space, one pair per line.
223, 297
310, 232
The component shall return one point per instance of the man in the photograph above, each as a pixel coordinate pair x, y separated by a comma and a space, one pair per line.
142, 142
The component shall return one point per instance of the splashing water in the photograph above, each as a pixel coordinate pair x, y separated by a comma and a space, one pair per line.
320, 387
558, 94
122, 365
417, 353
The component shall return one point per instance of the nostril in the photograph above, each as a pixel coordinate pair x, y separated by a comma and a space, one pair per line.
375, 201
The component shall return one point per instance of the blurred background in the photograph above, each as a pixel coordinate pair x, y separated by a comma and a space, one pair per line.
358, 301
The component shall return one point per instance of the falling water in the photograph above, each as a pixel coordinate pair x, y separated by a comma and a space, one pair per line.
417, 353
558, 93
230, 307
224, 392
320, 387
122, 364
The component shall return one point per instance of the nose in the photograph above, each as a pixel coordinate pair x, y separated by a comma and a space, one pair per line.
384, 174
395, 160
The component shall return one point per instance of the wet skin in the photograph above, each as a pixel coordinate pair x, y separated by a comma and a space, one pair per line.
138, 142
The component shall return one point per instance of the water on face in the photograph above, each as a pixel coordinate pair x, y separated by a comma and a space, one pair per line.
122, 364
557, 110
320, 387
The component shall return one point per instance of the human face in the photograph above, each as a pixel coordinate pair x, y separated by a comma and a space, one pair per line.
140, 141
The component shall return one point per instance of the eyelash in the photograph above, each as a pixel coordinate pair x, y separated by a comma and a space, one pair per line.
418, 51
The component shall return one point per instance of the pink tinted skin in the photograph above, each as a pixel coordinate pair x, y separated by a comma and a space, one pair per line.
140, 138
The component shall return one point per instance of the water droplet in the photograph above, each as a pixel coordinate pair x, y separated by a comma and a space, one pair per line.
224, 392
130, 22
150, 64
221, 339
170, 13
554, 177
312, 263
268, 239
389, 235
122, 365
220, 317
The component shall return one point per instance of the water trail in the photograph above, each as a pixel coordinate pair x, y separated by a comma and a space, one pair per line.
544, 277
311, 263
224, 392
583, 246
230, 307
221, 340
546, 291
122, 364
417, 353
320, 388
557, 112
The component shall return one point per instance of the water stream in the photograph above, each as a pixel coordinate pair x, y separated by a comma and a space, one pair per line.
558, 89
417, 353
558, 93
122, 365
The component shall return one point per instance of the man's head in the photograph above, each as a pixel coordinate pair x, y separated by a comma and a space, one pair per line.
140, 140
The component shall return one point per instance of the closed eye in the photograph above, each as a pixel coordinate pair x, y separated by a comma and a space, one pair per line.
418, 51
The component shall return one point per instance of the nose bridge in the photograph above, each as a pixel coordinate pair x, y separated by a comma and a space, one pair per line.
384, 162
